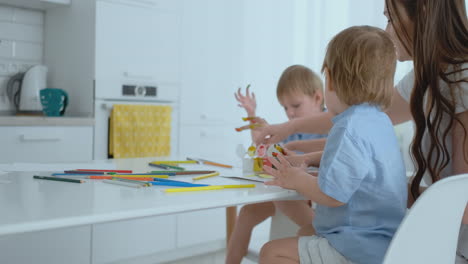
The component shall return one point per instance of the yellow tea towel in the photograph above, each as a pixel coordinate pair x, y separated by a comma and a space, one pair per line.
140, 131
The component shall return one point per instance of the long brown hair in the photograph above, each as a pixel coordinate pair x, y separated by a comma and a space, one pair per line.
439, 46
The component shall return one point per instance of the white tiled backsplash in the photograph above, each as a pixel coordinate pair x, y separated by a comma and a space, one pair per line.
21, 44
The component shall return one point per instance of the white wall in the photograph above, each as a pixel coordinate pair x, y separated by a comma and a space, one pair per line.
21, 44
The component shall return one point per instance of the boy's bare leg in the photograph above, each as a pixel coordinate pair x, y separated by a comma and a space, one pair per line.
281, 251
249, 216
300, 213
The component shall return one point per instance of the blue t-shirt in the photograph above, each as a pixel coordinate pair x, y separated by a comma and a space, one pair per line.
302, 136
362, 167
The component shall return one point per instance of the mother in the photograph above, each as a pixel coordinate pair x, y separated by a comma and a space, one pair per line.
434, 35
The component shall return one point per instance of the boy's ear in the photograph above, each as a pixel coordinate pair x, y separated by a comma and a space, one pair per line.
318, 96
328, 81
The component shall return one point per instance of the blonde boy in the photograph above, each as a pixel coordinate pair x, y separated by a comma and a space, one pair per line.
299, 91
361, 179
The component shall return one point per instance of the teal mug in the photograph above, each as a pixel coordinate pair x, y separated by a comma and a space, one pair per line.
54, 101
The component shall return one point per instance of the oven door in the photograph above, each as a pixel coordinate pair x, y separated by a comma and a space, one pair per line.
102, 111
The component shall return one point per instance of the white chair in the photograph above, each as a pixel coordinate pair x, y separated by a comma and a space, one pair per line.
429, 232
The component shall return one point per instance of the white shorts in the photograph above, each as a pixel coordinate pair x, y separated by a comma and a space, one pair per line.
317, 250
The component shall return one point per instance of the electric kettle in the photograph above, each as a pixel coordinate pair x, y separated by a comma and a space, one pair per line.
23, 89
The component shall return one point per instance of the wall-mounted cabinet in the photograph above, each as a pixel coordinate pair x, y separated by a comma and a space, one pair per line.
96, 46
37, 4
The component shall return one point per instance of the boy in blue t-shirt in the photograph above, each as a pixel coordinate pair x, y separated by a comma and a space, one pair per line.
361, 178
299, 91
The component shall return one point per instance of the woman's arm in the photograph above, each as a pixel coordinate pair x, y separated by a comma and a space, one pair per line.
310, 145
399, 111
315, 124
460, 150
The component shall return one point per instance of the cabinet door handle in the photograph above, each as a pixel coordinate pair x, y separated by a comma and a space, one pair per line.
34, 138
132, 75
205, 117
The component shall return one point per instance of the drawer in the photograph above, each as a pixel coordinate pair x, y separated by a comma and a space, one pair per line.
118, 241
58, 246
46, 144
172, 5
201, 227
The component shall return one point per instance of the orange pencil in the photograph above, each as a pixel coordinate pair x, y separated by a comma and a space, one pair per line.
217, 164
128, 178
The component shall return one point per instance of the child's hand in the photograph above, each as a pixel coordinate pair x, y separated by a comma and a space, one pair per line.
247, 102
271, 134
292, 145
297, 159
286, 175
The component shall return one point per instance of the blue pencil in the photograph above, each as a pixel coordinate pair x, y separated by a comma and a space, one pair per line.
178, 184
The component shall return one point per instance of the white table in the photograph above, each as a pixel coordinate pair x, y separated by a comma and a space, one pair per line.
29, 204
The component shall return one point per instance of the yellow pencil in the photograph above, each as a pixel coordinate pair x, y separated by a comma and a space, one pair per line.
237, 186
192, 189
205, 176
141, 175
174, 161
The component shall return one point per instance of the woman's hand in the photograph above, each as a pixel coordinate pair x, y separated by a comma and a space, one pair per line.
246, 101
286, 175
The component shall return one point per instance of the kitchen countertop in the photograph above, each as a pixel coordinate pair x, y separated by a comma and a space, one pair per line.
12, 120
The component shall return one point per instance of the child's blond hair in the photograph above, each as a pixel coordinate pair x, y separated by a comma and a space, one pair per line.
361, 61
299, 79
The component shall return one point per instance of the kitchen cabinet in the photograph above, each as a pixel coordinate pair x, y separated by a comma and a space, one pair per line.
37, 4
216, 142
58, 246
95, 47
138, 43
128, 239
46, 143
211, 60
226, 45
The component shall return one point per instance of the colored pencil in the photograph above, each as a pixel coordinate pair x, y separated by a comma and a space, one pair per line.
190, 172
164, 167
117, 171
192, 189
235, 186
128, 184
205, 176
142, 183
172, 167
177, 184
129, 178
149, 174
175, 161
57, 179
141, 175
84, 172
208, 162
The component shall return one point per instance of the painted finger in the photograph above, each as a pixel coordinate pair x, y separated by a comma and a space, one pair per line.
283, 160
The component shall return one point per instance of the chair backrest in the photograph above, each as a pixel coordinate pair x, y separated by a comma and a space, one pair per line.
429, 232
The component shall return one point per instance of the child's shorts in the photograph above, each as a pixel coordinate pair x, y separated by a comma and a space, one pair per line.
317, 250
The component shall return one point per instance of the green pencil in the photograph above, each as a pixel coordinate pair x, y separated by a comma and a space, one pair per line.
172, 166
57, 179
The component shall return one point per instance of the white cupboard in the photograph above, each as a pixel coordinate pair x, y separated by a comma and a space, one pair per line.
46, 144
94, 47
